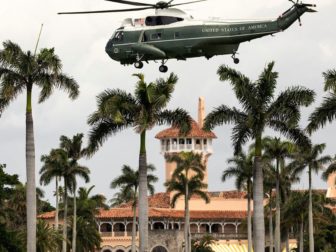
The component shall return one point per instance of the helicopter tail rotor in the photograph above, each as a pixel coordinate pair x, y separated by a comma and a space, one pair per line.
298, 5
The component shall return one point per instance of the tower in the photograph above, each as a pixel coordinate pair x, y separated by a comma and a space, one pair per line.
331, 193
197, 140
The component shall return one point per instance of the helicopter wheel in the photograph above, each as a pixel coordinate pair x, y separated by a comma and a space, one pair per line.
138, 64
236, 60
163, 69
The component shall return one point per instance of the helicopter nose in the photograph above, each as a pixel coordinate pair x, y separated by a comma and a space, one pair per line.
109, 47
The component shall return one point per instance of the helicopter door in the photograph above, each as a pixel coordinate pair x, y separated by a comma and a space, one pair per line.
156, 35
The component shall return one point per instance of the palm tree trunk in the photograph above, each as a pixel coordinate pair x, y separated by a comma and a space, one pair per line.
287, 242
301, 235
271, 222
249, 218
57, 207
30, 170
134, 227
186, 220
310, 220
64, 243
258, 200
74, 225
143, 199
277, 213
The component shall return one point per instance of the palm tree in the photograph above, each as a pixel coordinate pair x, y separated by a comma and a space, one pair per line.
278, 150
187, 181
186, 187
128, 182
88, 237
118, 110
204, 244
326, 112
52, 169
19, 72
74, 149
71, 171
311, 158
241, 169
48, 239
260, 110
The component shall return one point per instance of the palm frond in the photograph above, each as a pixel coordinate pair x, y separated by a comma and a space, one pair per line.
178, 118
242, 86
266, 84
330, 80
223, 115
326, 112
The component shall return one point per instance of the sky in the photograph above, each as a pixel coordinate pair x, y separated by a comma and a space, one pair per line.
301, 55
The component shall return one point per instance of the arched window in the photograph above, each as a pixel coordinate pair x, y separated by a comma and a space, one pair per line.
159, 249
158, 225
120, 250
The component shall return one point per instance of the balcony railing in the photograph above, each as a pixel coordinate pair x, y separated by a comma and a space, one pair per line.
221, 236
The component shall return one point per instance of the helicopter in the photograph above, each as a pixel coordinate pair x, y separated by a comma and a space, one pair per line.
173, 34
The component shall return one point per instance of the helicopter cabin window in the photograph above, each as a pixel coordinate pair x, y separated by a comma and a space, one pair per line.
118, 36
156, 36
161, 20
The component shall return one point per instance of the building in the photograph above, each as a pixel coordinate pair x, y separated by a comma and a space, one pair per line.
224, 217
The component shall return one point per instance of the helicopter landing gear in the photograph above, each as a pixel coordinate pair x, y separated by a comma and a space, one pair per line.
235, 60
163, 68
138, 65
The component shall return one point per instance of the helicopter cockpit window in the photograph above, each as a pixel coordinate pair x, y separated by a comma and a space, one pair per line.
161, 20
118, 36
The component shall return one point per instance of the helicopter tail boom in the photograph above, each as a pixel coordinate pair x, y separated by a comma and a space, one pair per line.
294, 13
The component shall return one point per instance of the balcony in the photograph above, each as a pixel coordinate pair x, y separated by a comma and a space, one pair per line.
221, 236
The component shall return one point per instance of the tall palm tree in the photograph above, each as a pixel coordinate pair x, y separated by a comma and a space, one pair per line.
118, 110
75, 151
186, 187
186, 181
128, 182
241, 168
277, 150
311, 158
71, 171
260, 110
52, 169
326, 112
19, 72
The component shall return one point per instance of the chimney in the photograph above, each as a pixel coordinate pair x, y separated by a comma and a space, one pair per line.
201, 113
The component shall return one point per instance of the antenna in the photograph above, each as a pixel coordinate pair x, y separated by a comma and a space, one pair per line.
38, 39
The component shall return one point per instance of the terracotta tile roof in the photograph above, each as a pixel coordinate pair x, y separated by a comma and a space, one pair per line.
48, 215
118, 213
158, 200
229, 194
195, 131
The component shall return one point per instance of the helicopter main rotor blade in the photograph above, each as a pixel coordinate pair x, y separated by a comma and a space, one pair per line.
187, 3
104, 11
131, 3
170, 1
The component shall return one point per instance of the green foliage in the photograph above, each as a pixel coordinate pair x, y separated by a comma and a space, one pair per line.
262, 109
325, 238
203, 245
88, 238
10, 240
118, 110
48, 239
128, 185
